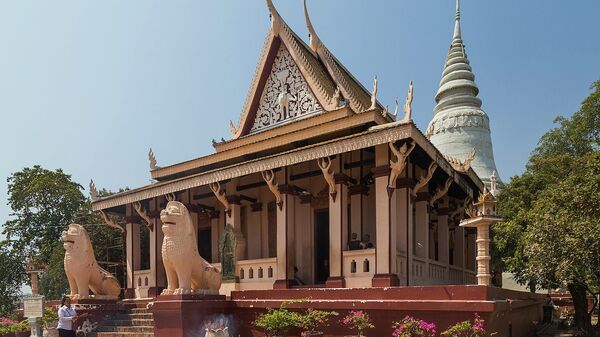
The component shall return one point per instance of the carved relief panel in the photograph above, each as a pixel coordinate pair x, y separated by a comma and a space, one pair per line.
286, 95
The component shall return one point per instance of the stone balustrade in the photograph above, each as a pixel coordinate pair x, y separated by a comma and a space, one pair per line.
143, 279
359, 267
438, 272
419, 271
256, 274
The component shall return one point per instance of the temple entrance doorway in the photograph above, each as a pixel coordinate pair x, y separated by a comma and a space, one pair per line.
321, 245
204, 243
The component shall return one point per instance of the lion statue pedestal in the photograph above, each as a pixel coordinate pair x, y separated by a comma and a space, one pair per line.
187, 272
82, 269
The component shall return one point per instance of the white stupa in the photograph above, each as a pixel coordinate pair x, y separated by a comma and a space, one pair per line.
459, 125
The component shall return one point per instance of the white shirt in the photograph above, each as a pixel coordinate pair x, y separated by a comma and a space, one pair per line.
65, 318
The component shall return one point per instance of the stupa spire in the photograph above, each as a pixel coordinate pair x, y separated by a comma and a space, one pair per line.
457, 21
459, 124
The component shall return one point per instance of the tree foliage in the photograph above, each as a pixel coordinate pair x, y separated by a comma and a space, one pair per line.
44, 202
12, 276
53, 282
550, 236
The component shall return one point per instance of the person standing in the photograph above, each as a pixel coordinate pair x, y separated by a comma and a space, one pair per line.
66, 316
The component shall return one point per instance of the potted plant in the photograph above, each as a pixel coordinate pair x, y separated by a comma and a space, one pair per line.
312, 320
276, 322
412, 327
357, 321
468, 329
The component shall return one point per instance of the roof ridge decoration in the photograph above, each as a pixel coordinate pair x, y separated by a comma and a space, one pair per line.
462, 166
335, 68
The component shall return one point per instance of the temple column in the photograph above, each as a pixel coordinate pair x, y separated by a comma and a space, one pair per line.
443, 232
285, 238
155, 249
432, 235
233, 218
338, 230
459, 248
133, 252
215, 236
356, 209
404, 217
264, 231
422, 225
385, 231
254, 231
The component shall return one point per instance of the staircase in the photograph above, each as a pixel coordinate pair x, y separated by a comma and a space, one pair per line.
135, 322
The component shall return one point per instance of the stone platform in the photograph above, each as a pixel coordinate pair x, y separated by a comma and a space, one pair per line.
509, 313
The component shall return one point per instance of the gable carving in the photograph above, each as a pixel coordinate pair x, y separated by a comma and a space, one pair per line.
286, 96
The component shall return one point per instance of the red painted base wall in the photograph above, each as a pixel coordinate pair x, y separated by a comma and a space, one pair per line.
508, 313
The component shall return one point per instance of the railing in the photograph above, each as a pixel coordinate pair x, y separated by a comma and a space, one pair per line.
256, 274
470, 277
359, 267
437, 273
401, 263
456, 275
143, 279
419, 270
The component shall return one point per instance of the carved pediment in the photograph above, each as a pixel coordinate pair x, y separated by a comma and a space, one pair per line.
286, 95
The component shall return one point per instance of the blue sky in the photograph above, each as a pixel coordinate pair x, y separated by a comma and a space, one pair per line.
89, 86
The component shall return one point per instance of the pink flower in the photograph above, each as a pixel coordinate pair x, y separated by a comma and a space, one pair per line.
478, 326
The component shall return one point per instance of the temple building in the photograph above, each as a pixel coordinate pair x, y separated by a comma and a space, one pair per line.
460, 128
316, 168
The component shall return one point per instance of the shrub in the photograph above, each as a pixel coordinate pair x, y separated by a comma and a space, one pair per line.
50, 316
312, 320
358, 321
468, 329
276, 321
412, 327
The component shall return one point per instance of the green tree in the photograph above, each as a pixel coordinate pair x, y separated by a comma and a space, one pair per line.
552, 211
53, 282
12, 276
44, 203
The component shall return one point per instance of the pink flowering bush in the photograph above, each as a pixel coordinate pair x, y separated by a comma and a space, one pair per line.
8, 325
468, 329
412, 327
358, 321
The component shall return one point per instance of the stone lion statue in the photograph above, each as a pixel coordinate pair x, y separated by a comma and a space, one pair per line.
83, 272
187, 272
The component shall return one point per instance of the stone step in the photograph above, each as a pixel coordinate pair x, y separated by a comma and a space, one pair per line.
126, 316
137, 329
139, 311
121, 334
129, 322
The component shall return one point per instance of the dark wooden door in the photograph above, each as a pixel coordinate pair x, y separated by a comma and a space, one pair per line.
205, 243
321, 245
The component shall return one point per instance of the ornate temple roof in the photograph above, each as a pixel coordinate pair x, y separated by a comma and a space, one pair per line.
328, 80
303, 104
459, 125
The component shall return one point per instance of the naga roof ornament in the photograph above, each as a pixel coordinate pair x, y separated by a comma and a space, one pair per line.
93, 191
461, 166
152, 160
